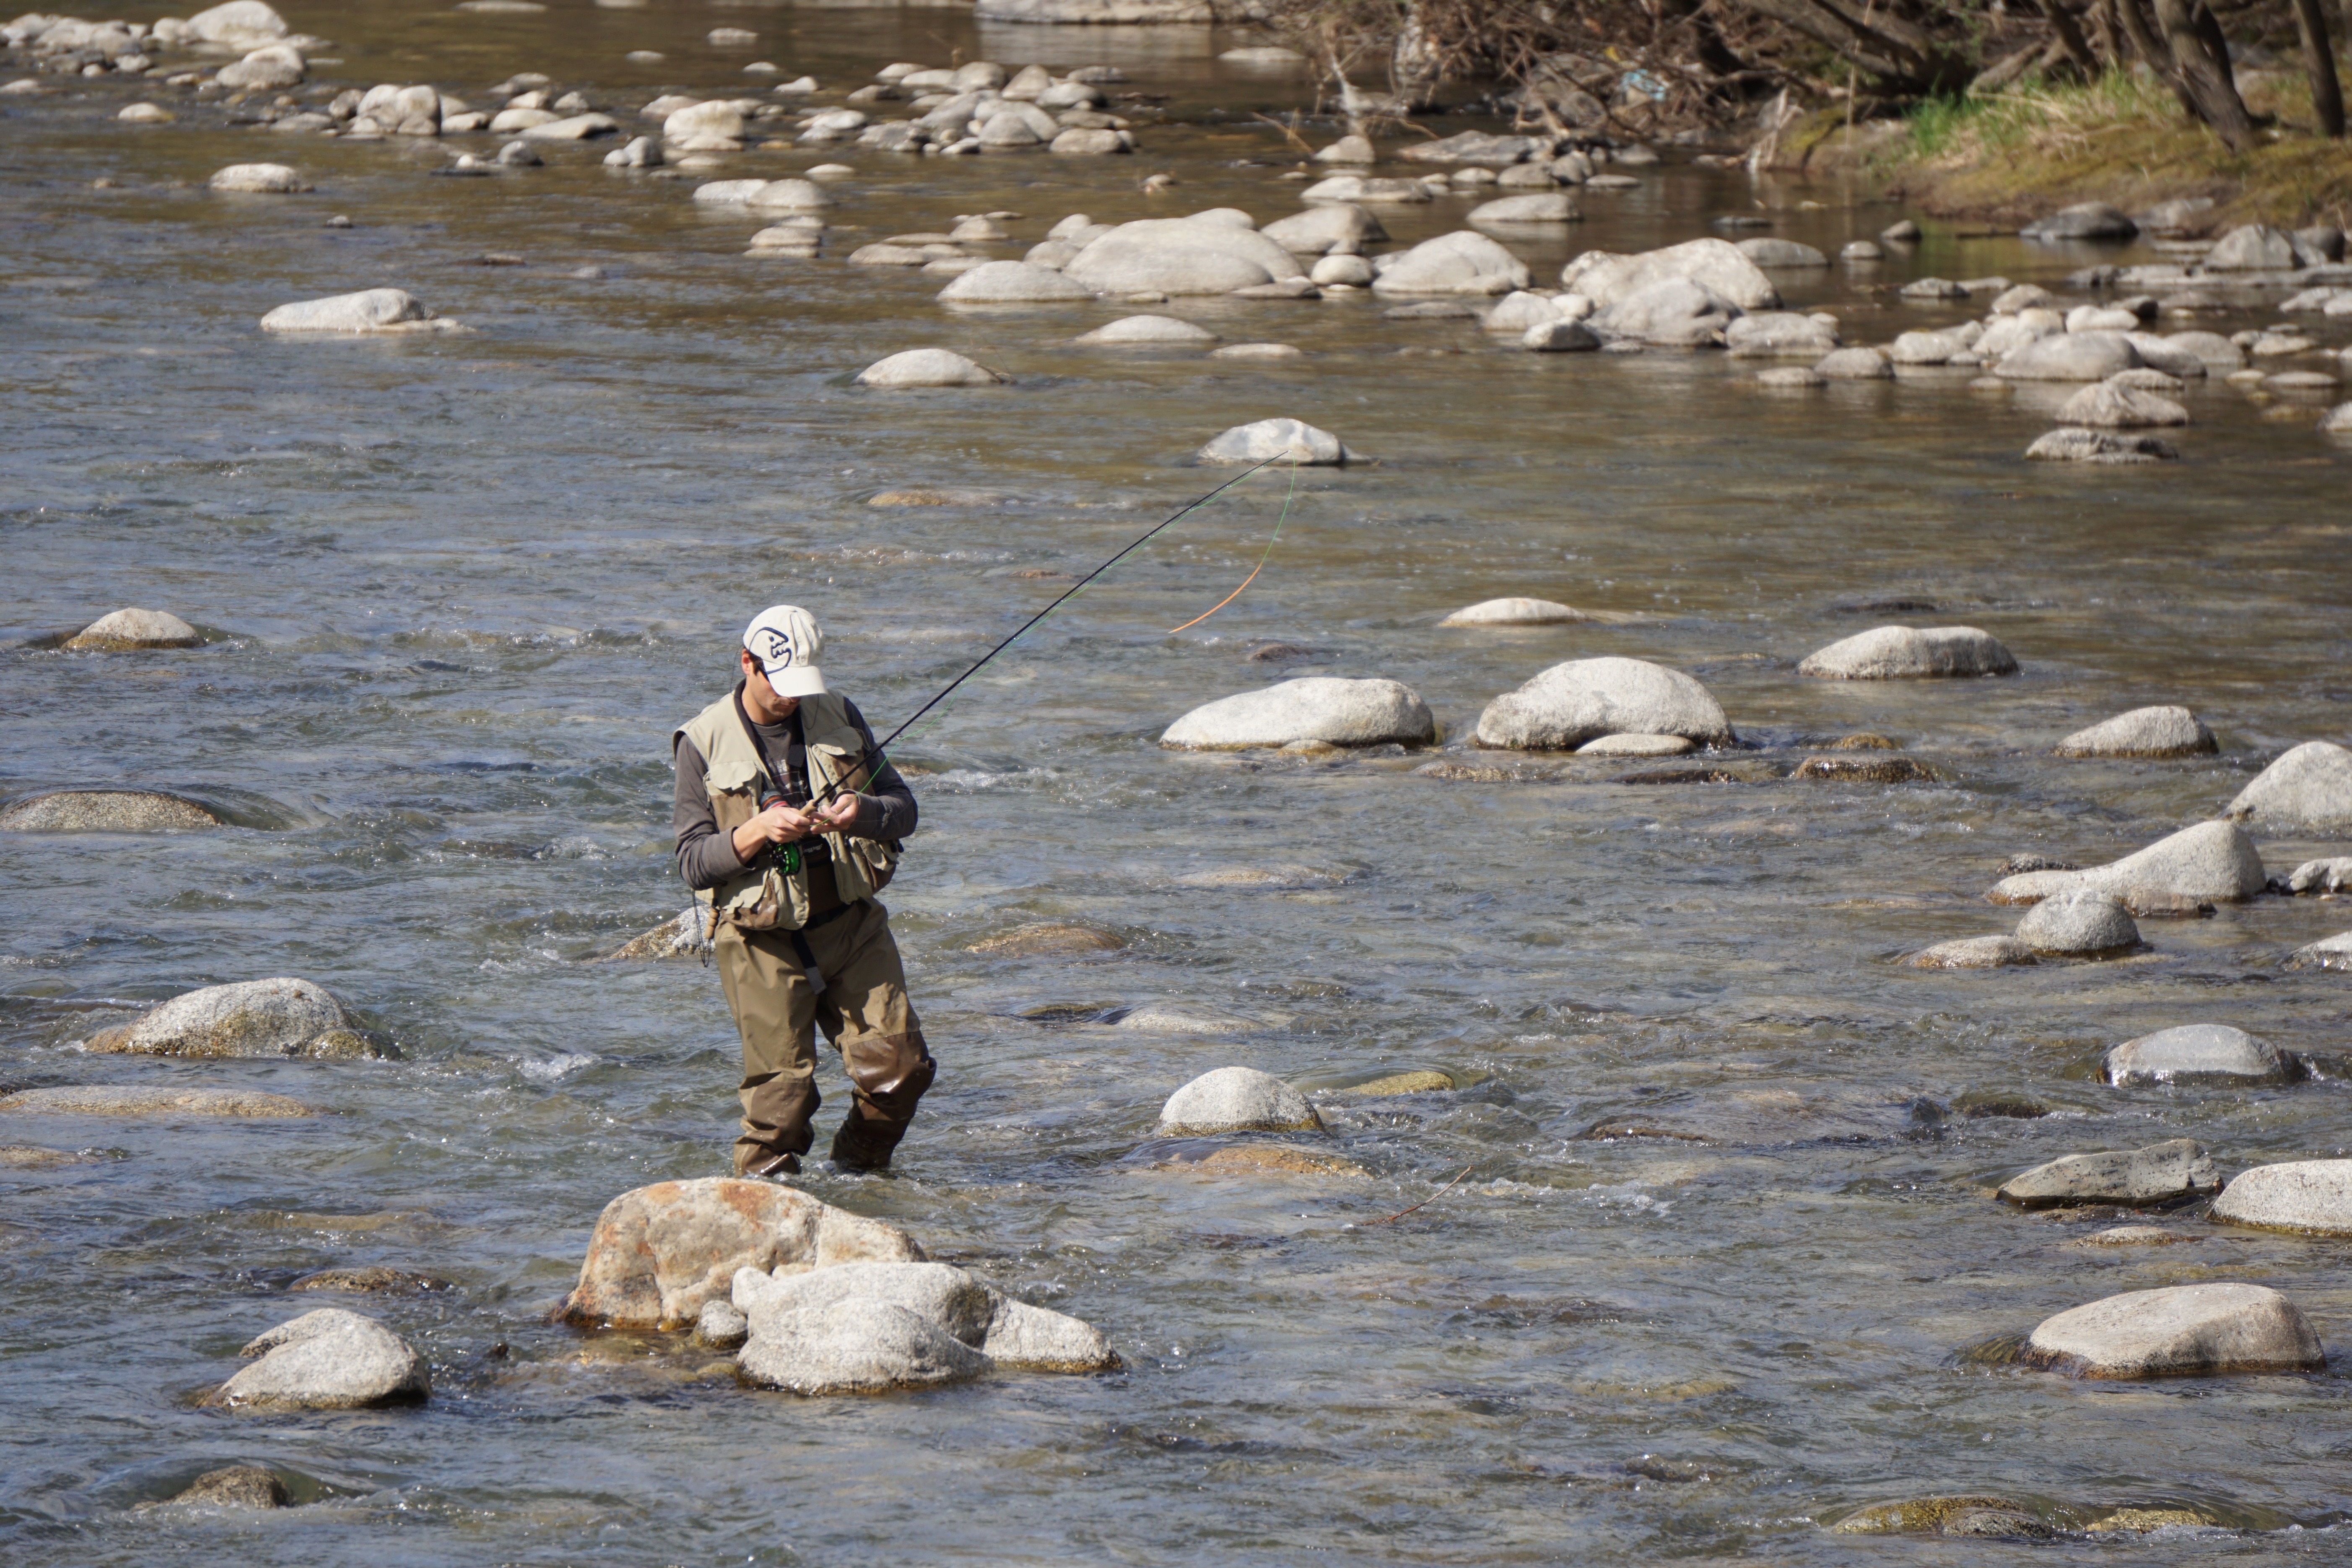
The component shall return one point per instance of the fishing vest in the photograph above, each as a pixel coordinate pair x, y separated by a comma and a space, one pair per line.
761, 897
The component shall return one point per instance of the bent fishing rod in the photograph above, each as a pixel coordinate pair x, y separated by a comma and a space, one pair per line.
881, 748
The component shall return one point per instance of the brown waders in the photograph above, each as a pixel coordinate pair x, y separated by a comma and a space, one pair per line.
863, 1011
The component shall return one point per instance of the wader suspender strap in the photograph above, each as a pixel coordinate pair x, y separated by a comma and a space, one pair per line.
767, 769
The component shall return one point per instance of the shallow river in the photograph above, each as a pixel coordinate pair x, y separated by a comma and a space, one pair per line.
462, 587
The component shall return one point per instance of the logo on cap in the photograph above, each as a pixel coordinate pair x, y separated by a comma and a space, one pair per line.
779, 654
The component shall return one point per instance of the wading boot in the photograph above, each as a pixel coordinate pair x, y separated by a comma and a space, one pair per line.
758, 1162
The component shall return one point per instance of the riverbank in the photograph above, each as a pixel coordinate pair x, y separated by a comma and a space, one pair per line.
2011, 158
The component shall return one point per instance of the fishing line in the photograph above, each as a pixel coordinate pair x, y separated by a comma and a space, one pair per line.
1262, 560
881, 748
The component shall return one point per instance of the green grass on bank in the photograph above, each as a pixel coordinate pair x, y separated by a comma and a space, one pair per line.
2123, 138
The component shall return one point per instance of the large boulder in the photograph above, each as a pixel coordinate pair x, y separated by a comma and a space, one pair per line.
2187, 1330
284, 1017
2109, 406
2209, 862
928, 367
2309, 789
106, 811
1769, 334
123, 630
267, 68
2196, 1053
800, 1338
1236, 1099
1910, 653
2080, 922
1012, 282
658, 1252
2312, 1196
1315, 708
236, 22
259, 179
382, 310
1582, 699
1198, 255
327, 1359
2070, 356
1714, 265
1315, 231
1291, 440
2160, 1173
2253, 248
110, 1100
1674, 313
1463, 262
2159, 731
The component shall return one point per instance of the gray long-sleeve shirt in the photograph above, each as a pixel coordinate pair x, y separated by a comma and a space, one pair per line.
706, 857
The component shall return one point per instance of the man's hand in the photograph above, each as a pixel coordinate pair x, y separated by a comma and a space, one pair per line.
779, 824
838, 815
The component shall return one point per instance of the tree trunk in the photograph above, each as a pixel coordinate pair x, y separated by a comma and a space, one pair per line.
2107, 30
2201, 59
1902, 54
2142, 34
2319, 64
2070, 36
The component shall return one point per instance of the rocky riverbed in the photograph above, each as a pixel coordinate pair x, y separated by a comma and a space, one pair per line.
1713, 960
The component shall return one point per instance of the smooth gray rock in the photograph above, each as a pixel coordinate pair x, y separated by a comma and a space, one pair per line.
1150, 331
1515, 312
1932, 289
1290, 440
1513, 612
1317, 230
122, 630
1196, 254
855, 1346
1716, 265
2167, 730
327, 1359
2112, 406
1543, 207
2308, 789
283, 1017
714, 120
2327, 953
2337, 421
1785, 254
1856, 364
2070, 356
967, 1308
109, 1100
2084, 220
1637, 746
2187, 1330
259, 179
2209, 862
387, 310
2195, 1052
232, 1486
2310, 1197
1910, 653
1559, 337
720, 1326
684, 935
2253, 248
2135, 1178
928, 367
1471, 147
106, 811
1363, 188
1236, 1099
1973, 952
2074, 443
2079, 922
1927, 348
1792, 376
2333, 875
1463, 262
1317, 708
1349, 149
1012, 282
1769, 334
1674, 313
1583, 699
577, 127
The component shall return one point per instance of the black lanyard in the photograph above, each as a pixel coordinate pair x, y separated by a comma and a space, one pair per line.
767, 763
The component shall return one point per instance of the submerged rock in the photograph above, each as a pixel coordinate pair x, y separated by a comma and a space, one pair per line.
1962, 1516
103, 1099
133, 628
1236, 1099
1260, 1159
1637, 746
1290, 440
2196, 1053
1907, 653
1866, 770
232, 1486
106, 811
390, 310
1149, 331
928, 367
367, 1280
2310, 1197
282, 1017
2160, 732
1010, 282
1512, 613
1316, 708
2073, 444
2079, 922
327, 1359
658, 1252
1973, 952
683, 935
1047, 940
2327, 953
1583, 699
2139, 1178
2212, 861
2308, 789
2187, 1330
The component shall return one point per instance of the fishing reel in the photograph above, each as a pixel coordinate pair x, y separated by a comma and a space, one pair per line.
786, 857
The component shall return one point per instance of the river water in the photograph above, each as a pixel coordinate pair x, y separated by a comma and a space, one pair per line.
461, 588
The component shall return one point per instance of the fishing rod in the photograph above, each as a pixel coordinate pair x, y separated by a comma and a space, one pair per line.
881, 748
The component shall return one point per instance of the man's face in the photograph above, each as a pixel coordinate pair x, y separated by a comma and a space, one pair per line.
756, 688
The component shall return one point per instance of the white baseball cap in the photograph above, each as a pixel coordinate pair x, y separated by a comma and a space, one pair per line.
784, 639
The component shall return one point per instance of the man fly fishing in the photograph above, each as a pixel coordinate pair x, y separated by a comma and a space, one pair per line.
789, 818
